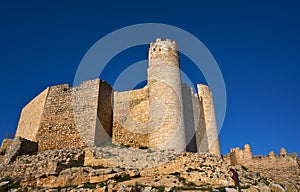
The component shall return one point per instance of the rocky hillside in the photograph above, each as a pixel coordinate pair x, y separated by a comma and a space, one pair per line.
120, 168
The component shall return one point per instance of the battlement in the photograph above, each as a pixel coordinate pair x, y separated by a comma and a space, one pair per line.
270, 166
244, 156
164, 45
164, 51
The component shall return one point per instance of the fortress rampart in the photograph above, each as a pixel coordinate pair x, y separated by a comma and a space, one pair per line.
271, 166
165, 114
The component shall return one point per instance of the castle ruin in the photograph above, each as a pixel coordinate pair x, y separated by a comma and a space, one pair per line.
165, 114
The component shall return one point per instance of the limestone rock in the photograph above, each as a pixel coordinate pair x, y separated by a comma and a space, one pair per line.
230, 190
251, 189
5, 145
20, 146
3, 183
276, 188
290, 187
263, 187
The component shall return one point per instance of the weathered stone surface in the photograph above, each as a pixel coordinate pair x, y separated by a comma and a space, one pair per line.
5, 145
230, 190
43, 164
3, 183
290, 187
271, 166
263, 187
251, 189
276, 188
20, 146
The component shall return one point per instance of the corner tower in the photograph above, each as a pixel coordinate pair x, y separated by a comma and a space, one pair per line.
165, 97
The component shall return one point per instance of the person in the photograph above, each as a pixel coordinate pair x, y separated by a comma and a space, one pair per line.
235, 177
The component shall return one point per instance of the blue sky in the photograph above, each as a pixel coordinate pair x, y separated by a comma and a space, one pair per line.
255, 43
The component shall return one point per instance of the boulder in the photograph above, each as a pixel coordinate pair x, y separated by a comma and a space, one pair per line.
263, 187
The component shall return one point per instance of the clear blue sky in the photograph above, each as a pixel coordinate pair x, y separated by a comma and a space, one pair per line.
256, 44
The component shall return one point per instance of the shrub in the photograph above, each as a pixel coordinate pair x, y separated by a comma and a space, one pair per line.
181, 179
161, 188
244, 168
122, 178
175, 174
89, 185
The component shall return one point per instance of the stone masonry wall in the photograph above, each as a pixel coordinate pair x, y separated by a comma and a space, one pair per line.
58, 128
210, 119
31, 117
130, 118
271, 166
104, 114
91, 105
84, 103
201, 134
191, 115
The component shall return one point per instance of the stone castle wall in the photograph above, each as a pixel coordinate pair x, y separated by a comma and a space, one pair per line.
104, 114
58, 128
211, 136
130, 118
85, 98
92, 107
31, 115
64, 117
271, 166
191, 111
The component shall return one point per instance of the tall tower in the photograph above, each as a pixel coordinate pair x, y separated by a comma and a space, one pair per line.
165, 97
211, 138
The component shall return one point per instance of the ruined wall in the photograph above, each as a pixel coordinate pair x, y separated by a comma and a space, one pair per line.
58, 128
31, 117
271, 166
211, 128
130, 118
165, 97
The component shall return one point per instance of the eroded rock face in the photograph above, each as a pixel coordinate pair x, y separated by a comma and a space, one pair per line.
117, 168
276, 187
18, 147
42, 164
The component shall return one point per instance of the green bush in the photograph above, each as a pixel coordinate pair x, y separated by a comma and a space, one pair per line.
161, 188
89, 185
244, 168
175, 174
181, 179
123, 178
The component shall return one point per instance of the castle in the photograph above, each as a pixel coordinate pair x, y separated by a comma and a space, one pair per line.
165, 114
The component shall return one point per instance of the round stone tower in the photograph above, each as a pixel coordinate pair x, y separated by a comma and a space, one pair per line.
165, 97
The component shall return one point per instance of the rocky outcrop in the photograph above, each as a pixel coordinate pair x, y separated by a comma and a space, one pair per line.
119, 168
18, 147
